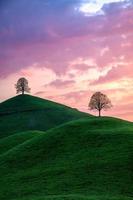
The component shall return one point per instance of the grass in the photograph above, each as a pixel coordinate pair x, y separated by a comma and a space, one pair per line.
25, 112
78, 197
9, 142
90, 158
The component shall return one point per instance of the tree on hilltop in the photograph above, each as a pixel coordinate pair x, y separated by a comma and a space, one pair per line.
22, 86
99, 102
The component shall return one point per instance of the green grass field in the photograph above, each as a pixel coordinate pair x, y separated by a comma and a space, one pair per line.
25, 112
85, 159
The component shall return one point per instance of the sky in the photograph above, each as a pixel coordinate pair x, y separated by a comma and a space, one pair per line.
68, 50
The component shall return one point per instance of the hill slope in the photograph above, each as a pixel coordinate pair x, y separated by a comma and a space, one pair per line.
11, 141
25, 112
85, 159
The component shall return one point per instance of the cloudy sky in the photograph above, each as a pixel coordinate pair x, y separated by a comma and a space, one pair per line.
69, 49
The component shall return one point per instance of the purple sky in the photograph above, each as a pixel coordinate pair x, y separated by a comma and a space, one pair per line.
69, 49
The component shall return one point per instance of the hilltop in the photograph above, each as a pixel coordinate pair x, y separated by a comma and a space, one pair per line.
26, 112
87, 159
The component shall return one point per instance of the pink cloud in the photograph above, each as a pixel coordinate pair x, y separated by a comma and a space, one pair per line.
61, 83
116, 73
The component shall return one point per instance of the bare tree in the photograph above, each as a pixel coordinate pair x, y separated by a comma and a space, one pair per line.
99, 102
22, 86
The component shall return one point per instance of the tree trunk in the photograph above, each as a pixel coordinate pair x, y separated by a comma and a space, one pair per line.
22, 91
99, 113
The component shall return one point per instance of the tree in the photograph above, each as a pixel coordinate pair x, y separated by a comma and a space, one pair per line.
22, 86
99, 102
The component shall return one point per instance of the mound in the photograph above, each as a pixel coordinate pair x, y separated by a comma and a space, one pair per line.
86, 159
9, 142
25, 112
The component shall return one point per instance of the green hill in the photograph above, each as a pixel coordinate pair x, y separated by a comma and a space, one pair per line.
87, 159
25, 112
9, 142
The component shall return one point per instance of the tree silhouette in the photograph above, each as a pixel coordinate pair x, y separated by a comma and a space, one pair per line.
99, 102
22, 86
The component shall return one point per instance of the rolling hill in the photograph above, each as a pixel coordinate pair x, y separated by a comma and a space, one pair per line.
26, 112
11, 141
86, 159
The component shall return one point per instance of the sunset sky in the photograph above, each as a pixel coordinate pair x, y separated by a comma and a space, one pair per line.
69, 49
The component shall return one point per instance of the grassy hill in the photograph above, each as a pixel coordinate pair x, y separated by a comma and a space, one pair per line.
25, 112
87, 159
9, 142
